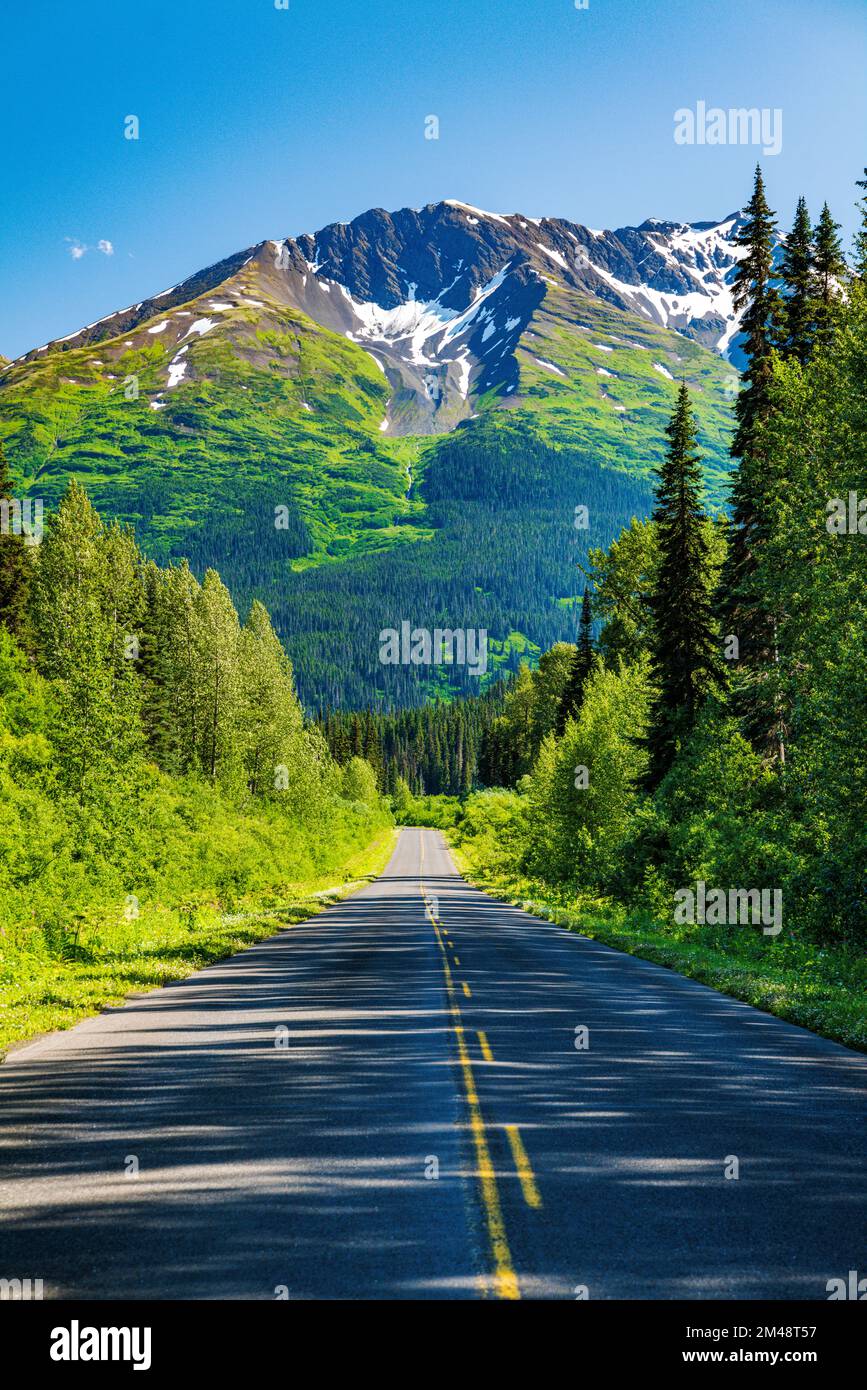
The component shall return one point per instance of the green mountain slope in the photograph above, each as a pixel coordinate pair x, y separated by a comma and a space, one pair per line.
234, 429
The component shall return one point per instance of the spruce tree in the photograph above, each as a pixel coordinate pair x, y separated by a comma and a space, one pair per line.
742, 605
684, 662
14, 563
582, 665
829, 268
796, 314
755, 293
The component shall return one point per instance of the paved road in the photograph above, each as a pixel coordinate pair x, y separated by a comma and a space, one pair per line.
420, 1040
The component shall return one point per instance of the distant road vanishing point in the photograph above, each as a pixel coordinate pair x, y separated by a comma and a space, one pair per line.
398, 1099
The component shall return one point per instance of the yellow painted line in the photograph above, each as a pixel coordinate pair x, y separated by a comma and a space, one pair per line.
505, 1278
485, 1046
525, 1169
457, 958
467, 991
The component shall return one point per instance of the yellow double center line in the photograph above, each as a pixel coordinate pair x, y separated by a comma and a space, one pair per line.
505, 1279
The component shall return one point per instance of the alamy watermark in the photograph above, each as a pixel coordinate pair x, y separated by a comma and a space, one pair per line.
445, 646
77, 1343
22, 518
851, 1288
20, 1290
730, 907
847, 516
738, 125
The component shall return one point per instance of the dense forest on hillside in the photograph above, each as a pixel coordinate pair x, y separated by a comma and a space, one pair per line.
503, 557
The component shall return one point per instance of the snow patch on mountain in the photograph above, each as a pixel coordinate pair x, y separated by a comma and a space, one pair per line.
554, 255
465, 366
679, 275
478, 212
418, 330
201, 326
177, 368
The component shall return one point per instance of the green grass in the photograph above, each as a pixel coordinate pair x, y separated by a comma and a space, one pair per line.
819, 988
611, 400
41, 993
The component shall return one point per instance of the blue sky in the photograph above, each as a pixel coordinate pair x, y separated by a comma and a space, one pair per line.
258, 122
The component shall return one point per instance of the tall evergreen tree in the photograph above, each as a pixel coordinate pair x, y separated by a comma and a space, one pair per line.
741, 603
755, 293
14, 563
829, 268
582, 665
684, 662
796, 314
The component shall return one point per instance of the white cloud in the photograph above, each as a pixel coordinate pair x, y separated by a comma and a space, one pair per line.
77, 249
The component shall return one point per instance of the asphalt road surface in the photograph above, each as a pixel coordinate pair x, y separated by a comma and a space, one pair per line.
388, 1101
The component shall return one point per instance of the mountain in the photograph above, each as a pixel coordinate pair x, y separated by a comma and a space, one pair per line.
384, 384
450, 289
442, 297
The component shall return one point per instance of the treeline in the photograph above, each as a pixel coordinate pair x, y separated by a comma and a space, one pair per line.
151, 745
431, 751
718, 732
